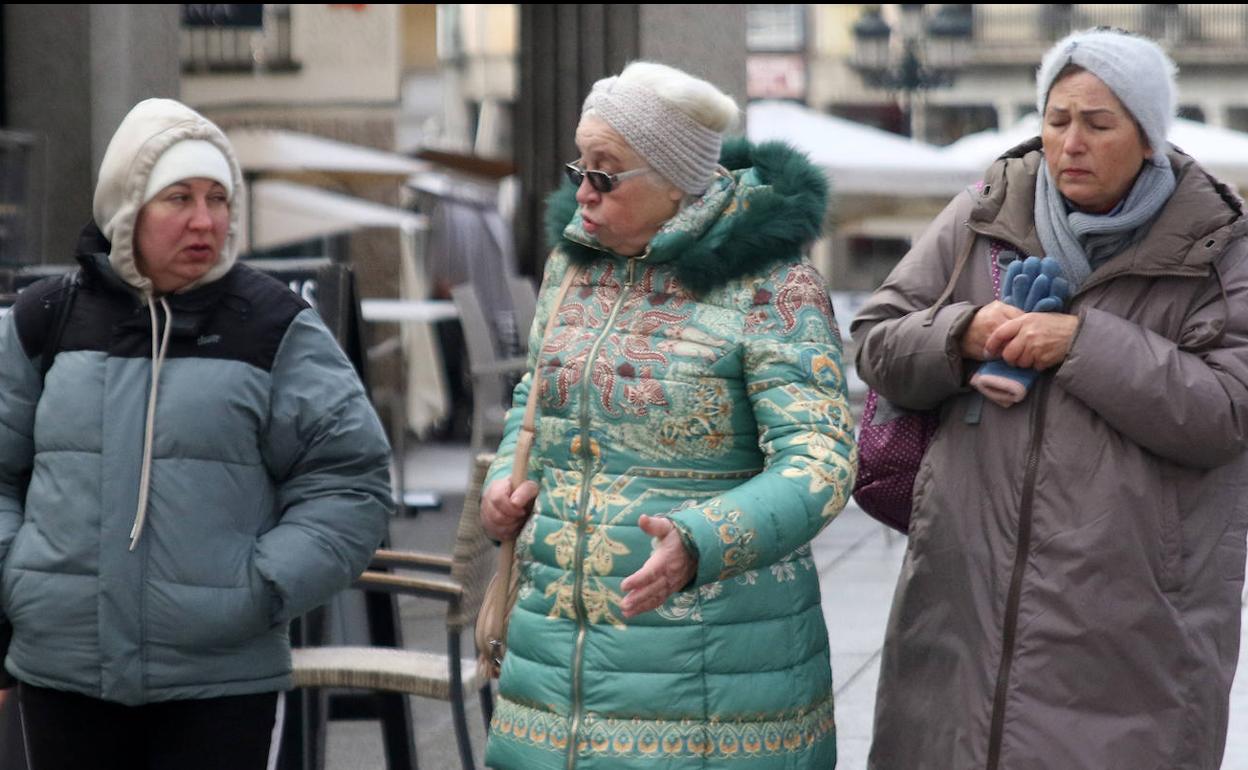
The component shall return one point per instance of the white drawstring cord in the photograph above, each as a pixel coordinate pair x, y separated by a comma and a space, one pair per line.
158, 358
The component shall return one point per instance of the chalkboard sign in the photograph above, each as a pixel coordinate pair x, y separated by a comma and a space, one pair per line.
236, 16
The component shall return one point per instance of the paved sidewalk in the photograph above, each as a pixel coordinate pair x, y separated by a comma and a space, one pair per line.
858, 561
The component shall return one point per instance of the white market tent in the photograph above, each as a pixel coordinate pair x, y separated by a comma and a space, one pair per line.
274, 152
285, 212
980, 149
1222, 151
289, 212
860, 159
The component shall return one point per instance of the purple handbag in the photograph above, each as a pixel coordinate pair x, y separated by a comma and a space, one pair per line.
892, 440
891, 444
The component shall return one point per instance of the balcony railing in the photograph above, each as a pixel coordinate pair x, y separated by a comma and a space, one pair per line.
227, 49
1192, 32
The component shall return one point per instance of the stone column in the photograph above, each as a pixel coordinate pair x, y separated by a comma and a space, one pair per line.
565, 48
71, 73
704, 40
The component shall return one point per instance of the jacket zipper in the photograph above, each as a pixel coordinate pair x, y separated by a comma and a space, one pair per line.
1023, 544
587, 459
1014, 598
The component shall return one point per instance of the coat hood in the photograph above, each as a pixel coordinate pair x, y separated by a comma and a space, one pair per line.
777, 201
145, 133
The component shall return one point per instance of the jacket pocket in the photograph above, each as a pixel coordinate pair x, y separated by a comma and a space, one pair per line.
206, 617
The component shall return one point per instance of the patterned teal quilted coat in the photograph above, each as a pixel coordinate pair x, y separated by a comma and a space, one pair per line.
701, 381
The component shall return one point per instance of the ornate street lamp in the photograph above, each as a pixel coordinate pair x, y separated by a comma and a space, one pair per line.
921, 53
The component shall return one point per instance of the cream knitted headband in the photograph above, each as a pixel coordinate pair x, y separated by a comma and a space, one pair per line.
682, 150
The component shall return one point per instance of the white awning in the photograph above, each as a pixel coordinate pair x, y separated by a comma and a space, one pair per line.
288, 212
980, 149
273, 151
860, 159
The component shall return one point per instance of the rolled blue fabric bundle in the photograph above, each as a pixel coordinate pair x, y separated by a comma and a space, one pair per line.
1033, 285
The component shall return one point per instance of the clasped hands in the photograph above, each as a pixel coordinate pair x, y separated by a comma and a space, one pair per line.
1029, 340
1023, 335
669, 568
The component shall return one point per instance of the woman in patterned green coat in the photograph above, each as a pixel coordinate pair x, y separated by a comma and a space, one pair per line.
693, 437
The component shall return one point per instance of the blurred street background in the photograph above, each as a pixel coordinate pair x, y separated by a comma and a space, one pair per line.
410, 146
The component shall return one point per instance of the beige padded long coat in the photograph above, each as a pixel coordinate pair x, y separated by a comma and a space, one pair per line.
1070, 596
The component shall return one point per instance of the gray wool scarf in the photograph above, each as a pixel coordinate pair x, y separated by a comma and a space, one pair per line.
1081, 241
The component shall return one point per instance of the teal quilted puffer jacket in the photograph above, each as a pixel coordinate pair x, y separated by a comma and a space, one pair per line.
165, 513
701, 382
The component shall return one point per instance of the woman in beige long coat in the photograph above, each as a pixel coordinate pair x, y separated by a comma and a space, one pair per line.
1070, 596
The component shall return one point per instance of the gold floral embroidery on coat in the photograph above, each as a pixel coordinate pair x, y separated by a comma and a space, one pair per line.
605, 495
737, 540
698, 423
812, 405
765, 735
688, 604
823, 462
832, 471
783, 571
600, 601
524, 552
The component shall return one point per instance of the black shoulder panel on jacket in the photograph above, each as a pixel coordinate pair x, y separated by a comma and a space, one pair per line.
252, 316
35, 311
241, 317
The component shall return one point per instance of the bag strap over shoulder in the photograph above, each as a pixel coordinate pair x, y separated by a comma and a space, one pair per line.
524, 442
500, 596
964, 257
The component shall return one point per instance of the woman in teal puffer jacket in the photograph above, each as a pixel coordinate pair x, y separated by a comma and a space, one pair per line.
693, 436
188, 461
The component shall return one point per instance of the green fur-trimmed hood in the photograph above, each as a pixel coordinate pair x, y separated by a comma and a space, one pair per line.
778, 200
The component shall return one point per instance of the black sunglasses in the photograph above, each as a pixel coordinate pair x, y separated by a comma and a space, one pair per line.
599, 180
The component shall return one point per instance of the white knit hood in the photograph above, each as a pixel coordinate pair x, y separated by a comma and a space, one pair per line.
147, 131
153, 126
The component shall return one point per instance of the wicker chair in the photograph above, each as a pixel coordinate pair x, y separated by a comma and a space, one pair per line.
492, 375
462, 583
524, 303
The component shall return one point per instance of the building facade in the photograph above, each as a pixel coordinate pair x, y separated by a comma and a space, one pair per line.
994, 85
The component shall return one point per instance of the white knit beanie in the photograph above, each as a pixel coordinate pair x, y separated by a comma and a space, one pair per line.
1135, 68
189, 159
679, 148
